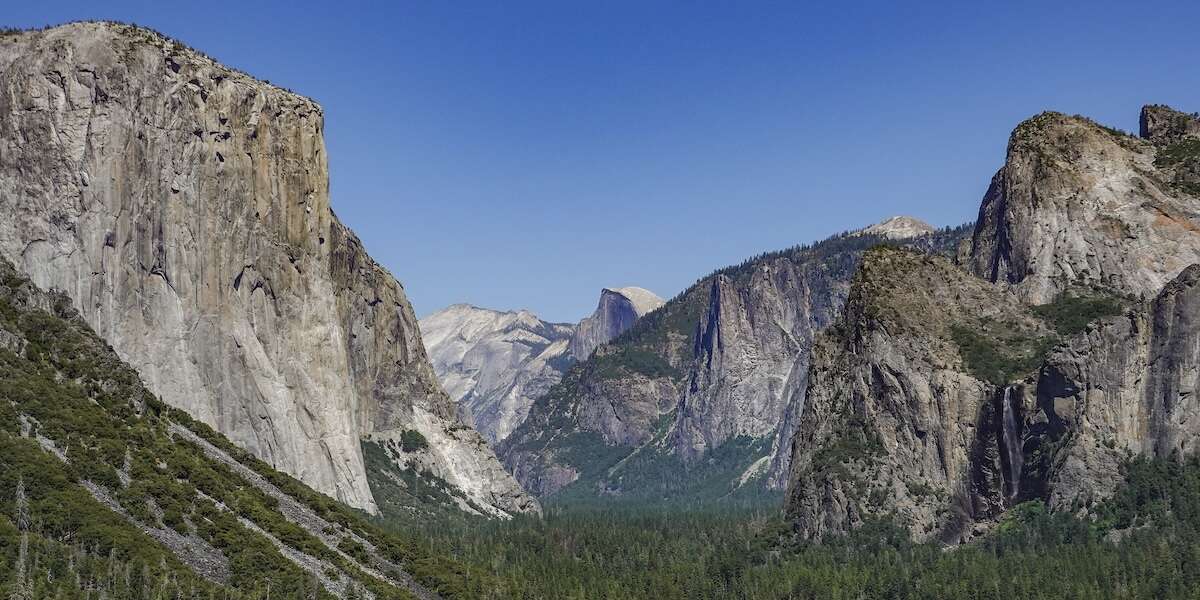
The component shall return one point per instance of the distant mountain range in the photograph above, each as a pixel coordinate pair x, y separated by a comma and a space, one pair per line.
494, 364
698, 399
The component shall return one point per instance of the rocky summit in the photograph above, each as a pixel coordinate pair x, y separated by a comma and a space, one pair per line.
618, 310
698, 398
494, 364
184, 207
1058, 349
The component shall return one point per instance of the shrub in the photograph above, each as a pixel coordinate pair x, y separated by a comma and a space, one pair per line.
1069, 314
411, 440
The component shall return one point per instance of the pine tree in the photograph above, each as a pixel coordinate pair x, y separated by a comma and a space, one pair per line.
22, 588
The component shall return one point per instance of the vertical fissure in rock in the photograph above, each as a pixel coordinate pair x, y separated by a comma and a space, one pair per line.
1011, 456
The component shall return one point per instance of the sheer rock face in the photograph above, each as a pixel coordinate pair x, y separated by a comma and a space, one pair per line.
727, 360
1163, 125
185, 208
750, 349
618, 310
894, 422
897, 424
493, 364
1076, 203
1126, 386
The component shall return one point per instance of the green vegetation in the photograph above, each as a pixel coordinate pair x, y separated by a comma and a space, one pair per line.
63, 388
1070, 313
411, 440
858, 443
648, 476
614, 362
747, 552
1183, 150
998, 353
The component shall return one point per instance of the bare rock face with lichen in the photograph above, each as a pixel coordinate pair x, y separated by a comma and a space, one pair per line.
184, 207
1066, 346
896, 422
708, 387
1078, 203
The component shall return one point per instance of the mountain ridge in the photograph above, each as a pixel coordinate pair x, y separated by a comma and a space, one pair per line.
1057, 350
194, 232
495, 363
668, 384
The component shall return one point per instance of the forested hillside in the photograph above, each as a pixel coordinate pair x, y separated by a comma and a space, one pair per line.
107, 492
695, 403
1144, 544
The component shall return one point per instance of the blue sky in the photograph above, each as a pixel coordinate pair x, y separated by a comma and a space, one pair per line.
524, 155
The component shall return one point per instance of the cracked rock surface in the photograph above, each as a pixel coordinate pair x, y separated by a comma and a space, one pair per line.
184, 206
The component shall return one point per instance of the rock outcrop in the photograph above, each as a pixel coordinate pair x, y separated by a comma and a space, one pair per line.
946, 399
618, 310
896, 423
719, 371
1077, 203
1163, 125
184, 206
493, 364
897, 228
1127, 386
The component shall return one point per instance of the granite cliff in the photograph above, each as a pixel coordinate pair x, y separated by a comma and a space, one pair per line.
696, 398
184, 207
494, 364
1060, 346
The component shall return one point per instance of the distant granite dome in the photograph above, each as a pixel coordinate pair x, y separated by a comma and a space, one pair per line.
618, 310
494, 364
897, 228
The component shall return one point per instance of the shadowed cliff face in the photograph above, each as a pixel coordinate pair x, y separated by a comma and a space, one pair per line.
895, 420
947, 399
714, 377
1126, 386
185, 208
618, 310
1076, 203
495, 364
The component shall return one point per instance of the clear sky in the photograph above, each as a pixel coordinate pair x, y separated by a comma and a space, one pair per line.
524, 155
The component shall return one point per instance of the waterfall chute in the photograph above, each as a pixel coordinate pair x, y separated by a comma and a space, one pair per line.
1010, 442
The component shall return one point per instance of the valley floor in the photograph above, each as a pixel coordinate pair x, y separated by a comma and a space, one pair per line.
1144, 543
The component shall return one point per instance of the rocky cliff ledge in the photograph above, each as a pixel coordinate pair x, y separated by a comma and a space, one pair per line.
948, 398
184, 206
